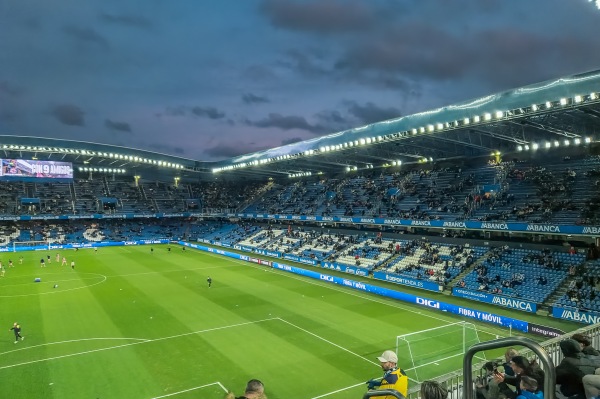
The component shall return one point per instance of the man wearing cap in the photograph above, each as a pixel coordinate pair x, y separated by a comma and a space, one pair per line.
393, 377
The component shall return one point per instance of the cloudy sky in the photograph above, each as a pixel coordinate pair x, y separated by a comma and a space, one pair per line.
210, 79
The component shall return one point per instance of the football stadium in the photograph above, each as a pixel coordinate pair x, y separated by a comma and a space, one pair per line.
133, 274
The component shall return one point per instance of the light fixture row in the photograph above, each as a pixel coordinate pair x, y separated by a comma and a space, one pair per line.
133, 158
429, 128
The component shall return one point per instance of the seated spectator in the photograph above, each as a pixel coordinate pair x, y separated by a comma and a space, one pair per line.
586, 344
529, 389
433, 390
591, 385
508, 355
573, 367
522, 367
488, 387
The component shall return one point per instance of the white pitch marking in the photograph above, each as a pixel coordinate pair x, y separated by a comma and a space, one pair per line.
135, 343
192, 389
339, 390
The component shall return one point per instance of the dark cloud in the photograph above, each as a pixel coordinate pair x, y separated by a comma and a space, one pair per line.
165, 149
9, 90
8, 115
133, 21
320, 16
289, 122
307, 64
371, 113
203, 112
119, 126
68, 114
227, 151
315, 66
334, 117
258, 73
291, 140
417, 49
250, 98
86, 35
208, 112
176, 111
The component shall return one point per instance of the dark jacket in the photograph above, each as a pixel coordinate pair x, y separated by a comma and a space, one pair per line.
573, 367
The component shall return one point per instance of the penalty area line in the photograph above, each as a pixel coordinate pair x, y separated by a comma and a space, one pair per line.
192, 389
338, 390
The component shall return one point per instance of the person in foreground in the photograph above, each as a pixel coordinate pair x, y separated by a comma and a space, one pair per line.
433, 390
393, 377
254, 390
529, 389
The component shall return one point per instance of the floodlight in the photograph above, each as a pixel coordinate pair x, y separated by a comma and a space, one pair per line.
362, 141
487, 116
567, 142
563, 101
556, 143
548, 144
578, 99
535, 146
526, 147
439, 126
548, 104
499, 114
588, 140
476, 119
430, 128
593, 96
414, 131
519, 148
577, 141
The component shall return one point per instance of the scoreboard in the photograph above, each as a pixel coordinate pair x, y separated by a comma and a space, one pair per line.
32, 168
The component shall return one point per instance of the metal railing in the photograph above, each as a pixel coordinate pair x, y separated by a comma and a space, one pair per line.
542, 356
383, 392
457, 380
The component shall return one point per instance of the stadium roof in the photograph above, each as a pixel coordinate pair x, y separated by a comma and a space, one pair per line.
542, 116
554, 113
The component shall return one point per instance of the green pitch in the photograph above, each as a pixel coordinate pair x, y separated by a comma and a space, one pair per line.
128, 323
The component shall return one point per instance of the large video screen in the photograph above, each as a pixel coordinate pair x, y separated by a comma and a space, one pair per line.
32, 168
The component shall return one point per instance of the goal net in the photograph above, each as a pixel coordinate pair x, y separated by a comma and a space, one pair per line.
30, 245
440, 348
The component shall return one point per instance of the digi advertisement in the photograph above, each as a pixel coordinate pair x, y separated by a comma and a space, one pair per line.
29, 168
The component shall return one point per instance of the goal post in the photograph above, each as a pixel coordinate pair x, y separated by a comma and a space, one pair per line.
436, 345
30, 246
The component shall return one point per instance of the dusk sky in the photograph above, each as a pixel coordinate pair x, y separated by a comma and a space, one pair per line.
209, 80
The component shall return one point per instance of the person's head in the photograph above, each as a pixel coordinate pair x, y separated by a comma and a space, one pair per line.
433, 390
510, 353
529, 384
582, 339
570, 348
520, 364
254, 389
388, 360
489, 367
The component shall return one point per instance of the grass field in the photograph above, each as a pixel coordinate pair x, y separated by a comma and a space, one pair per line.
128, 323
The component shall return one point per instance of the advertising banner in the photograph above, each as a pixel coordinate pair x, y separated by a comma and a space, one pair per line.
497, 300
